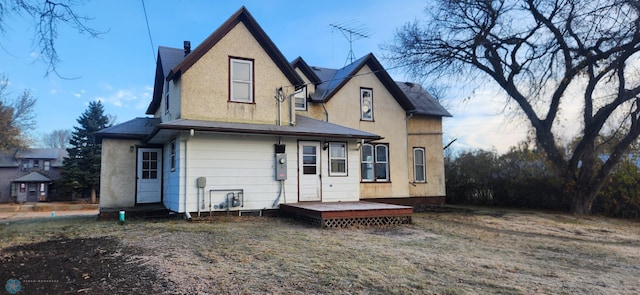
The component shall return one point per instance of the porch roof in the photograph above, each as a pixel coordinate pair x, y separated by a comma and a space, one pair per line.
305, 127
137, 128
33, 177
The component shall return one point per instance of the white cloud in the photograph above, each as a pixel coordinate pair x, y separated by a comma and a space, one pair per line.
79, 93
129, 98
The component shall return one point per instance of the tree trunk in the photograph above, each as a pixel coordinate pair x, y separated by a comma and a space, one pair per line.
93, 194
582, 198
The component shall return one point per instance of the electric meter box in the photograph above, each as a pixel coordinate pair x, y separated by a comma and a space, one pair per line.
281, 162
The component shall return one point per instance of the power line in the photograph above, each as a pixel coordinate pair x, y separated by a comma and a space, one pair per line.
153, 51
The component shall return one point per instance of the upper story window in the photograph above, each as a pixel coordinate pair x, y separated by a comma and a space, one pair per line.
375, 162
166, 96
241, 79
36, 163
419, 165
47, 165
337, 159
301, 99
366, 104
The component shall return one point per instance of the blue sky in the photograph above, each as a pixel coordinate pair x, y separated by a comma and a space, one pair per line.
118, 67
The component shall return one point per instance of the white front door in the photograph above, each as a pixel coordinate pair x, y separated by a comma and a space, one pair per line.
149, 176
309, 171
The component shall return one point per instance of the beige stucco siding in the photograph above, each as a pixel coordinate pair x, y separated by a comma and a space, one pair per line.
205, 85
389, 122
118, 173
426, 132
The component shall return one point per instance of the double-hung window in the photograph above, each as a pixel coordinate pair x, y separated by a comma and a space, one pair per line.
419, 171
241, 78
366, 104
337, 159
301, 99
375, 162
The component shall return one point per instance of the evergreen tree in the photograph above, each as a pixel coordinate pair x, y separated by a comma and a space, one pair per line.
82, 167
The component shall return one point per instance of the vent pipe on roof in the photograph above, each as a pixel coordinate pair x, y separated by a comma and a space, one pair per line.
187, 47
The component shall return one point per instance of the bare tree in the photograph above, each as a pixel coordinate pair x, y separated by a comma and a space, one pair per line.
17, 117
46, 16
58, 139
538, 52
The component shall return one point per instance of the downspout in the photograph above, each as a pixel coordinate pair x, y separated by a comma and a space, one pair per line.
409, 151
291, 123
326, 113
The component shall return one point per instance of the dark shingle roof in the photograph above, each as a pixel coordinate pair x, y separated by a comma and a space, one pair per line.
304, 127
424, 103
169, 57
33, 177
137, 128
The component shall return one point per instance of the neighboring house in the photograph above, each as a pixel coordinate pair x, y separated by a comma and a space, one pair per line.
237, 127
28, 175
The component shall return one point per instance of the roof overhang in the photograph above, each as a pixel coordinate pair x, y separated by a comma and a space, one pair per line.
305, 128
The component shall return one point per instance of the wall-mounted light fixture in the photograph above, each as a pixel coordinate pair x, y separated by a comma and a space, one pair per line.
132, 148
325, 146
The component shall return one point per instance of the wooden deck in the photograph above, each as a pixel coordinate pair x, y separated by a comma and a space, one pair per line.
344, 214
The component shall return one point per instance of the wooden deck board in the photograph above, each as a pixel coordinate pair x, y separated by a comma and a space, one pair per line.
347, 212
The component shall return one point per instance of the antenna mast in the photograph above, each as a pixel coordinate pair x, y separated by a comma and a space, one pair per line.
352, 31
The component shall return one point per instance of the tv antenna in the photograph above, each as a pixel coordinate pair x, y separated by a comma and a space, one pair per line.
352, 31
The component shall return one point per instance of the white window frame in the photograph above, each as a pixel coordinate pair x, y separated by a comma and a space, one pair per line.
419, 167
172, 153
232, 82
166, 96
332, 158
364, 106
47, 165
301, 94
374, 163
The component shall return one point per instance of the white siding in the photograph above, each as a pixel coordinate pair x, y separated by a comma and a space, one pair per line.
234, 162
342, 188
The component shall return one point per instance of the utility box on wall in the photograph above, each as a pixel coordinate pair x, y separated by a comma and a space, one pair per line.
281, 162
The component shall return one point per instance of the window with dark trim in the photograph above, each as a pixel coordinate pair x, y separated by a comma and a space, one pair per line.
374, 162
36, 163
419, 171
173, 155
241, 80
47, 165
366, 104
337, 159
23, 187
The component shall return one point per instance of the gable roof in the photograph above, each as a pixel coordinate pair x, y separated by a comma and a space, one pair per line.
306, 70
305, 127
242, 15
137, 128
56, 156
329, 87
167, 59
424, 103
33, 177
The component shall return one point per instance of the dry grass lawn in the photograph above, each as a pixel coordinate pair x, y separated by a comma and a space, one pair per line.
479, 251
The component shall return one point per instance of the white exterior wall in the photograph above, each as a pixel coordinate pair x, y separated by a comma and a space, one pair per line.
342, 188
236, 162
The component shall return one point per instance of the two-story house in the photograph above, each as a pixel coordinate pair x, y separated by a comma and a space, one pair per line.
27, 175
235, 126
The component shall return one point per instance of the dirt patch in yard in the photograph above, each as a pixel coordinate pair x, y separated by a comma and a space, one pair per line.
90, 266
467, 252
